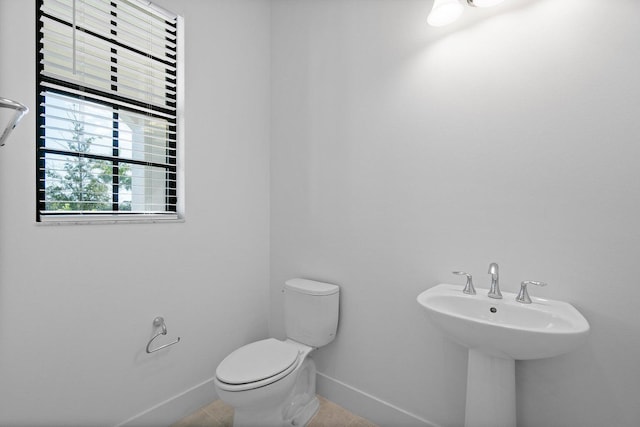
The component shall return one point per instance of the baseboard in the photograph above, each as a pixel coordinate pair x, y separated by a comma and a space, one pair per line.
357, 401
365, 405
171, 410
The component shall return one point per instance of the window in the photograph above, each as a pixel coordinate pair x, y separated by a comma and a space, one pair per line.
107, 100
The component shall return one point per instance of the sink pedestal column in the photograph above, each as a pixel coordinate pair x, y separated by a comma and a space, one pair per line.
491, 391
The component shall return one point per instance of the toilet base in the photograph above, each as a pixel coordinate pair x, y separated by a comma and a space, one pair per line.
268, 418
305, 413
296, 409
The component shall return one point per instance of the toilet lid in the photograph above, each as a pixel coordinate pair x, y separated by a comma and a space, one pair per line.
257, 361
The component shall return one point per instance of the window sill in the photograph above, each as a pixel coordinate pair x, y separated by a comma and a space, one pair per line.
108, 219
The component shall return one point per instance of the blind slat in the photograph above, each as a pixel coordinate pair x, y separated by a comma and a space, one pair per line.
119, 87
94, 106
126, 155
102, 13
133, 185
100, 55
103, 118
118, 102
62, 36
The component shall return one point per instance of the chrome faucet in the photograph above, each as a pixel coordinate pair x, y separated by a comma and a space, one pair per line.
523, 295
494, 290
468, 287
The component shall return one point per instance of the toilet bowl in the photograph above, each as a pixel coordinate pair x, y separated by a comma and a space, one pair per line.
272, 383
271, 393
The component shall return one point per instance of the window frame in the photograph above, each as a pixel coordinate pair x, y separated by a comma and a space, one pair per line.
118, 104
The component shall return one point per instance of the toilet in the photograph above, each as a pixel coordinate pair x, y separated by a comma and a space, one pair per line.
271, 382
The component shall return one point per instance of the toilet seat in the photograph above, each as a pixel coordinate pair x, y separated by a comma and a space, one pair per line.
257, 364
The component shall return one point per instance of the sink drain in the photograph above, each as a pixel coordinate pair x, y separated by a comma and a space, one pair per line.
493, 309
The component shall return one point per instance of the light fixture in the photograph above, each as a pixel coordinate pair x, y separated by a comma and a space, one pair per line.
484, 3
444, 12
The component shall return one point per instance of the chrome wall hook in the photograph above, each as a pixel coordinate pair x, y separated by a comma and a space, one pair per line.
158, 322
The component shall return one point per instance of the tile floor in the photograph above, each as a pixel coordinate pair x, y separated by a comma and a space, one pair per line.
219, 414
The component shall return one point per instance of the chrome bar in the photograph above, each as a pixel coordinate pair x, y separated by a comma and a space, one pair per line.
158, 322
21, 110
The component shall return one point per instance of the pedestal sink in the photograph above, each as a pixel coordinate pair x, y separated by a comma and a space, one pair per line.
498, 332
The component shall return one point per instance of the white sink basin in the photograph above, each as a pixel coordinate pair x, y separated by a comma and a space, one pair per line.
503, 327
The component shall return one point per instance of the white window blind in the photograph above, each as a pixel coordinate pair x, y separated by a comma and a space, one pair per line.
107, 96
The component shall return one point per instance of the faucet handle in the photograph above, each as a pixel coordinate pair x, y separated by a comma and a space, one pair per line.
468, 287
523, 295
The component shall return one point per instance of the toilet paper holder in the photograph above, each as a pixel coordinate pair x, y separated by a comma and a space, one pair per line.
158, 322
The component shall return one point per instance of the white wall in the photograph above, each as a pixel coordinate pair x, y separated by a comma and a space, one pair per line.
77, 302
402, 152
399, 153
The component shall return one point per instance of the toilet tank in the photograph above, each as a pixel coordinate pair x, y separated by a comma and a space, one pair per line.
311, 311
